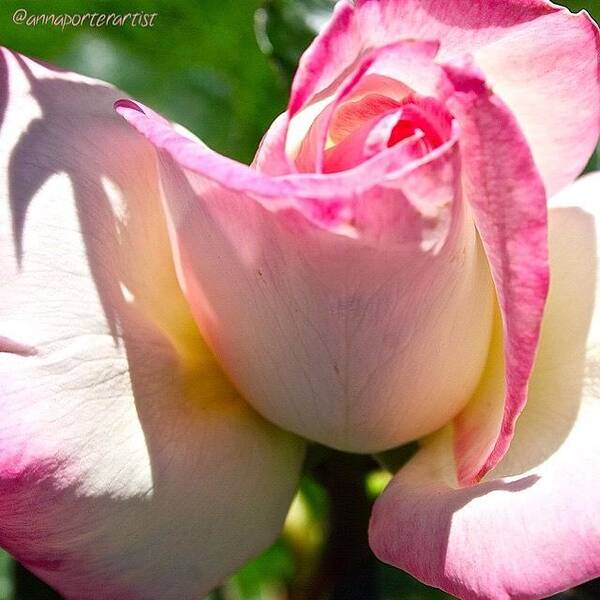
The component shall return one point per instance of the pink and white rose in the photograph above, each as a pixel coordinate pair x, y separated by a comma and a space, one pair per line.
379, 275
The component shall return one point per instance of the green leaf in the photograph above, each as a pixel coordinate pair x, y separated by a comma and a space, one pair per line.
6, 576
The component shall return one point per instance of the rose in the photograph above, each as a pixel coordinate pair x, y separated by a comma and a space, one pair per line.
378, 274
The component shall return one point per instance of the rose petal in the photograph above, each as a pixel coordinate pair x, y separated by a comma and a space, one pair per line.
504, 189
362, 144
129, 466
325, 200
419, 118
549, 76
304, 135
361, 340
271, 157
533, 530
354, 114
539, 58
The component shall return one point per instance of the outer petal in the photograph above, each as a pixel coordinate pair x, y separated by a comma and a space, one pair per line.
509, 206
357, 343
534, 529
539, 58
129, 467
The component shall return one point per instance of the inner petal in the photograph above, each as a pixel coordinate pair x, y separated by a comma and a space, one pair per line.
351, 115
362, 128
310, 131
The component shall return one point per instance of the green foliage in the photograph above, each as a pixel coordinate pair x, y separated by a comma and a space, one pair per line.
6, 576
591, 6
266, 576
199, 65
285, 28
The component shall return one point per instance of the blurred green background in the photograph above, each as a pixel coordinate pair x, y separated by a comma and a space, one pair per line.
223, 68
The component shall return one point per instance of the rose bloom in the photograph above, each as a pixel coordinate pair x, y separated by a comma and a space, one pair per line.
174, 325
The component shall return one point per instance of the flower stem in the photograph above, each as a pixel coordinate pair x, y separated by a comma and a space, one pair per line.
348, 568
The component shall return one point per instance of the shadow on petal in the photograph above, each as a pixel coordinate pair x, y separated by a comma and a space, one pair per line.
129, 465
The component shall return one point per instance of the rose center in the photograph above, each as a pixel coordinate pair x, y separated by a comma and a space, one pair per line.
361, 128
